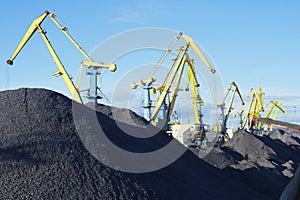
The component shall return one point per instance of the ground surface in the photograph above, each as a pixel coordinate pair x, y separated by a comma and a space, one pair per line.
266, 163
42, 156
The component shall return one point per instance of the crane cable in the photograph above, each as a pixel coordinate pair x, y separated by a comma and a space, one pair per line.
7, 78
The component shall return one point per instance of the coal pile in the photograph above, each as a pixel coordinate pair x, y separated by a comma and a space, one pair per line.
286, 138
265, 163
42, 157
120, 114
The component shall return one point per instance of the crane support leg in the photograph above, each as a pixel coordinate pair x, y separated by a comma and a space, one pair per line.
147, 102
74, 92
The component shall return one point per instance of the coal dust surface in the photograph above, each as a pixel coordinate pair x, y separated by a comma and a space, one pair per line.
264, 163
42, 156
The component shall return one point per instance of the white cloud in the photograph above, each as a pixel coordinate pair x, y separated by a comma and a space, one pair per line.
139, 12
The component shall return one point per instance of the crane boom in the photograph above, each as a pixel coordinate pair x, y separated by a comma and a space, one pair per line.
150, 78
235, 90
29, 33
229, 108
189, 41
64, 30
275, 104
278, 106
36, 26
193, 45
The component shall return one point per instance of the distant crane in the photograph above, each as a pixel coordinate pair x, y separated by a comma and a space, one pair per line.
176, 70
168, 90
225, 112
276, 106
252, 119
89, 63
253, 113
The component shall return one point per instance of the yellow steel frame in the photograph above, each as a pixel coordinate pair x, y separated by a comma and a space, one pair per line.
169, 78
193, 82
36, 26
254, 109
176, 88
235, 90
194, 46
190, 42
278, 106
168, 83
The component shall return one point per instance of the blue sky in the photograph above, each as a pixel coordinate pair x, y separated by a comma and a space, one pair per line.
255, 43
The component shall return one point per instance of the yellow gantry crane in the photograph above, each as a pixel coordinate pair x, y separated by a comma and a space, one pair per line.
276, 106
255, 107
89, 63
225, 112
175, 72
189, 41
252, 119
